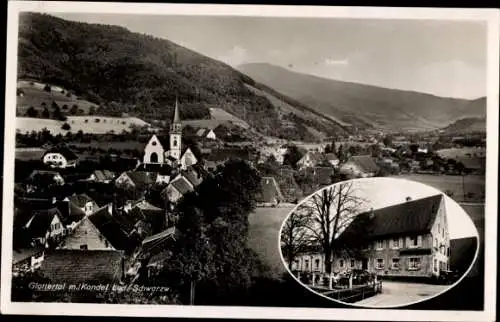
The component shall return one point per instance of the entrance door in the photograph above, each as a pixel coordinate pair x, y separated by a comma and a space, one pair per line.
153, 158
364, 263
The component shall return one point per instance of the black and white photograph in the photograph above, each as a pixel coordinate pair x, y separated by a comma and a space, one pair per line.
221, 161
379, 242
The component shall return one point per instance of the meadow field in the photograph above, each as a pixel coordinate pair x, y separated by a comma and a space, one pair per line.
469, 188
87, 124
265, 224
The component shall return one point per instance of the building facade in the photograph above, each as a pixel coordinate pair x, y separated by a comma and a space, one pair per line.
405, 240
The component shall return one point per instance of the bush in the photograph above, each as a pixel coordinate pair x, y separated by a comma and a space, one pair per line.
66, 127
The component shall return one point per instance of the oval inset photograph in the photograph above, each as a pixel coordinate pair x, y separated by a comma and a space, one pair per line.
378, 242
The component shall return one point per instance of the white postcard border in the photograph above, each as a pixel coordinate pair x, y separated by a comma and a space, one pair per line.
488, 314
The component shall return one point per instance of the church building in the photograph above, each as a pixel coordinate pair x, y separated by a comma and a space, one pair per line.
156, 154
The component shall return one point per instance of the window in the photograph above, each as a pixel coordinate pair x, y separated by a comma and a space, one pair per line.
395, 263
414, 263
317, 264
341, 263
153, 143
413, 241
439, 228
84, 247
306, 264
175, 142
380, 244
395, 243
352, 262
435, 265
447, 251
380, 263
436, 243
106, 243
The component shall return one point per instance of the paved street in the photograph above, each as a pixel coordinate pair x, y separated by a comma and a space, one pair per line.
399, 293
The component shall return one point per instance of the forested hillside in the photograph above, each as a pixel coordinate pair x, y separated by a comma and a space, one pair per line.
140, 74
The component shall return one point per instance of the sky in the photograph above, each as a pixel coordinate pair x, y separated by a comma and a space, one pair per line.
444, 58
383, 192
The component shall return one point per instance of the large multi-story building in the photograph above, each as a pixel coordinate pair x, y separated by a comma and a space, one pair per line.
405, 240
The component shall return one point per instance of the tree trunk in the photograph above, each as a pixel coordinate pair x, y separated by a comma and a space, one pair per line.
191, 292
328, 262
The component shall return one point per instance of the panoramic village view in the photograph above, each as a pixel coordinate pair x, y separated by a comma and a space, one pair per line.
146, 172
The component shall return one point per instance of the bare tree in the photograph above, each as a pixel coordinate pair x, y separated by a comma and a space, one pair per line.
331, 211
295, 235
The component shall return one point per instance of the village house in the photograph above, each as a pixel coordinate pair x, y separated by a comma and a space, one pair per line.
140, 180
360, 166
101, 176
270, 195
74, 266
27, 259
155, 250
83, 202
45, 226
311, 159
205, 133
407, 240
332, 159
155, 152
176, 189
43, 177
60, 157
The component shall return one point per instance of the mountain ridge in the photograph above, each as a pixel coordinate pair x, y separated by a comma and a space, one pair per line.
364, 105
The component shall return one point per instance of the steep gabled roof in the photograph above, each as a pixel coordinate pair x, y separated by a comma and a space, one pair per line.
110, 228
411, 217
177, 117
181, 185
64, 151
39, 224
74, 266
365, 162
142, 178
19, 255
80, 200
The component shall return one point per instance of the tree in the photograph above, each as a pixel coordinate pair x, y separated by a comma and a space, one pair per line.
92, 110
292, 156
387, 140
45, 113
331, 210
74, 109
31, 112
295, 235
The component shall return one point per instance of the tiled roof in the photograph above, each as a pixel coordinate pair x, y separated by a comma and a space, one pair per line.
181, 185
69, 212
19, 255
99, 175
108, 174
365, 162
142, 178
80, 200
270, 190
411, 217
41, 220
64, 151
74, 266
110, 228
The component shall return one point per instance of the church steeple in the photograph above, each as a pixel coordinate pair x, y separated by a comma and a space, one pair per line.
177, 118
176, 134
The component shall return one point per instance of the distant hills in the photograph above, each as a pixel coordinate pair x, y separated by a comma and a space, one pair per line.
366, 106
142, 75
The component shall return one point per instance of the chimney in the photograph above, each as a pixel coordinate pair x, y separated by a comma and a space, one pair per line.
408, 198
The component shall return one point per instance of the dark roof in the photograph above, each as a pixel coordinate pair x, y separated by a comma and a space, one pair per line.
73, 266
331, 156
192, 176
40, 223
270, 190
163, 169
181, 185
64, 151
69, 212
49, 174
142, 178
177, 118
156, 243
99, 175
411, 217
19, 255
472, 163
110, 228
365, 162
80, 200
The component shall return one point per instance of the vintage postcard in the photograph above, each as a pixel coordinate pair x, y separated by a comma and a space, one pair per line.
276, 162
